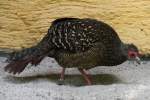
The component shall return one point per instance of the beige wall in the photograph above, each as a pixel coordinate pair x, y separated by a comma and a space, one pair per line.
24, 22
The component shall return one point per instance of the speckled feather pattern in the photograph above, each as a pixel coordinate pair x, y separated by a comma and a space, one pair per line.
73, 35
74, 38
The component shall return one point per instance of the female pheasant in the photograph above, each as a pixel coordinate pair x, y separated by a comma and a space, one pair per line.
73, 42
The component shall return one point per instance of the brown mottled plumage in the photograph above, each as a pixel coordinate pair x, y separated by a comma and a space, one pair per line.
82, 43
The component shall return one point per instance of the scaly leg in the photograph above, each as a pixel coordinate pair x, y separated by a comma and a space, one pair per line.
61, 79
62, 75
85, 75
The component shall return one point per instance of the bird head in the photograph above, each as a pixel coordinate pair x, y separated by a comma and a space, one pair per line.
133, 53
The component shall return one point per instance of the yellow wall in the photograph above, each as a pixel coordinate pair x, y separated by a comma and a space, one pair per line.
24, 22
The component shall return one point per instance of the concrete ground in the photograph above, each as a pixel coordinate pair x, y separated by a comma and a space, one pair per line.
123, 82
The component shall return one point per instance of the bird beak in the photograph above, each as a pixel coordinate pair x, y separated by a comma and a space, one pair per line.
138, 60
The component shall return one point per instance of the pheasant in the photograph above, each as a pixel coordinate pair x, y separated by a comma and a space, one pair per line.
80, 43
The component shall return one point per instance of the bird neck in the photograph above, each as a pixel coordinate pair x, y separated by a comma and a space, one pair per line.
124, 49
117, 56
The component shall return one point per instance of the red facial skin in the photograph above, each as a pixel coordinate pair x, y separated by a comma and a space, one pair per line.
132, 54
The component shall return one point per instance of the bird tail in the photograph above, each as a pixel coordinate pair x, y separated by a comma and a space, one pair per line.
19, 60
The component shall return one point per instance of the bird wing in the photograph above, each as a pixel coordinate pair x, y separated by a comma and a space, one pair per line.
73, 35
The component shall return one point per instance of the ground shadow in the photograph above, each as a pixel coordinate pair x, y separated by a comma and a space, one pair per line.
74, 80
78, 80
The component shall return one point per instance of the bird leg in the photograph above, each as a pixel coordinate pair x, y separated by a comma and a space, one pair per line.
86, 76
61, 79
62, 75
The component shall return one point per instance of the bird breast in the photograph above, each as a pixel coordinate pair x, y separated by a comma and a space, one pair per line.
88, 59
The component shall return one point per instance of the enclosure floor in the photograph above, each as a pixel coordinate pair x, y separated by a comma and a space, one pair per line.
123, 82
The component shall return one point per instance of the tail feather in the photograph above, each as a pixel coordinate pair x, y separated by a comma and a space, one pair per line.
36, 61
18, 66
34, 55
